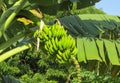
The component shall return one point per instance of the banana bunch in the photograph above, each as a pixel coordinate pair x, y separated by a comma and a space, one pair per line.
54, 31
58, 43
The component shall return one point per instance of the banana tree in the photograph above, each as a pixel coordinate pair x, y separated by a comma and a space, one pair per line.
95, 34
100, 26
14, 35
11, 10
98, 43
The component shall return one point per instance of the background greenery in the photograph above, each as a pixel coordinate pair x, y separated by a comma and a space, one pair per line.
29, 65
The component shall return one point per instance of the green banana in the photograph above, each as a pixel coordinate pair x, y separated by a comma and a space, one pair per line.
49, 34
53, 30
55, 33
64, 57
60, 53
57, 42
65, 42
45, 37
54, 44
67, 54
46, 47
51, 50
59, 59
74, 52
46, 29
63, 32
73, 44
60, 46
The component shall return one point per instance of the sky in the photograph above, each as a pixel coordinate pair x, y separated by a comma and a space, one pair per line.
111, 7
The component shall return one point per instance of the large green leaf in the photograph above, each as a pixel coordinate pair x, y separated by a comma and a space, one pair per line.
118, 47
53, 6
91, 31
53, 2
112, 52
91, 49
100, 46
104, 51
98, 49
46, 2
91, 24
81, 51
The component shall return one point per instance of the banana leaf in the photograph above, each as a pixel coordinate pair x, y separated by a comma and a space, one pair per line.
94, 40
91, 24
53, 6
112, 52
101, 52
91, 50
81, 51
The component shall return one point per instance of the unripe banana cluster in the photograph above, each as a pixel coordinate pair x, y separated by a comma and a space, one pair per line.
57, 43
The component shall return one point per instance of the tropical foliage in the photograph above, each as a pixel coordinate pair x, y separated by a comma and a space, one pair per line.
97, 38
63, 51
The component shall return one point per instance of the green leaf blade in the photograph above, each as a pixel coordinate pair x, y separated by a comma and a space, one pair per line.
112, 53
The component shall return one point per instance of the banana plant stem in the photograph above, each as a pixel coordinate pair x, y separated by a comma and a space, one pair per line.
14, 51
77, 66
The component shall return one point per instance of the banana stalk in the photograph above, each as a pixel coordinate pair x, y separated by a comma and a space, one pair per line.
77, 68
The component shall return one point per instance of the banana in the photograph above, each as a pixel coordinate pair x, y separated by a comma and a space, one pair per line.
49, 47
67, 54
46, 47
60, 45
74, 52
63, 32
55, 33
44, 36
58, 33
64, 42
63, 55
73, 44
49, 34
46, 29
51, 51
36, 34
59, 59
68, 42
54, 44
60, 53
57, 43
52, 29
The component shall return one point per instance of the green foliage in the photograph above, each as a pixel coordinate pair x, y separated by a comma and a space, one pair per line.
53, 6
92, 25
92, 77
88, 10
98, 40
40, 66
8, 80
29, 68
